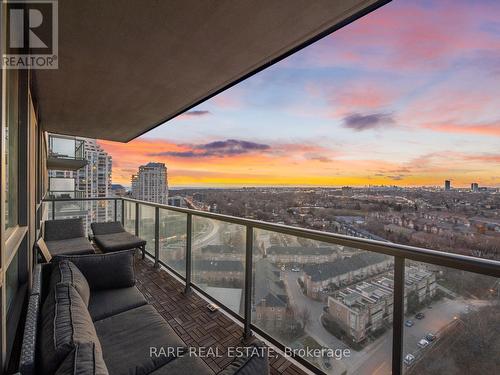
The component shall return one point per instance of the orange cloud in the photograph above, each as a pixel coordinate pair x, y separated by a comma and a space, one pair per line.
304, 165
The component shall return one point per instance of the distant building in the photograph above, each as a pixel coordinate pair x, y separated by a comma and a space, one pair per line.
366, 307
177, 201
344, 271
474, 186
220, 272
118, 190
301, 255
269, 295
222, 252
150, 183
447, 185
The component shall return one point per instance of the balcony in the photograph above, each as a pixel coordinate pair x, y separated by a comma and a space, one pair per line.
196, 258
65, 153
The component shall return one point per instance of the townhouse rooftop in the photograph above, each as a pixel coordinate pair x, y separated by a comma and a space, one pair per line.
325, 271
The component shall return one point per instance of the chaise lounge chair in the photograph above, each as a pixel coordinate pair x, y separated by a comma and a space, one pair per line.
111, 236
66, 237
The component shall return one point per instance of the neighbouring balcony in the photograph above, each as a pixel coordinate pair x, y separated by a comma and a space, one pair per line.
367, 305
65, 153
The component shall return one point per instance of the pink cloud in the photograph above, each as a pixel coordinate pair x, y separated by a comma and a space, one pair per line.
477, 129
361, 96
410, 35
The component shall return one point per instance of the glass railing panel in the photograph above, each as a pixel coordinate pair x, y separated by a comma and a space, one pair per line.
218, 260
64, 148
338, 300
64, 194
147, 226
451, 321
173, 232
129, 216
90, 211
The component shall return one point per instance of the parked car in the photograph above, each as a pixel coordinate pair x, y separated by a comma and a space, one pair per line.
295, 269
409, 359
430, 337
420, 316
422, 343
409, 323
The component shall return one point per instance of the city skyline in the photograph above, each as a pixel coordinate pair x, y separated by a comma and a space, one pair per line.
405, 96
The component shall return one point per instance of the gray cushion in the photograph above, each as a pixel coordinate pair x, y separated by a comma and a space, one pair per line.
126, 340
63, 229
105, 271
66, 272
108, 302
84, 359
70, 246
118, 241
256, 362
107, 228
185, 365
65, 323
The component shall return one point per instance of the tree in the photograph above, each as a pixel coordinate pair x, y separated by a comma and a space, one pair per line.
413, 304
304, 316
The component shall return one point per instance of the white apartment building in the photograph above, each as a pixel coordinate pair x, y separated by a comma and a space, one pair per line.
150, 183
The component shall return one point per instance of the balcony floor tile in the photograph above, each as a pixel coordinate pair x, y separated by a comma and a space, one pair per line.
189, 317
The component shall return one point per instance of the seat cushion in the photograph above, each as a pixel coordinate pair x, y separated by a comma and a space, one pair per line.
118, 241
127, 339
84, 359
63, 229
108, 302
66, 322
185, 365
73, 246
66, 272
107, 228
105, 271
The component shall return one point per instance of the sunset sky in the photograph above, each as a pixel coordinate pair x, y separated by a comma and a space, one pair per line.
408, 95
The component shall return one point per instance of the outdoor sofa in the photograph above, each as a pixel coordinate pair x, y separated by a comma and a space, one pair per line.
86, 316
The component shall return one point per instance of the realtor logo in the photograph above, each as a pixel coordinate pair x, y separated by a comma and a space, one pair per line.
32, 35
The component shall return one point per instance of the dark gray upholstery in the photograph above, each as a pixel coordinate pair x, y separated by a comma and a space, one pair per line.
108, 302
84, 359
107, 228
185, 365
118, 241
65, 323
105, 271
63, 229
66, 272
256, 362
126, 340
69, 342
76, 246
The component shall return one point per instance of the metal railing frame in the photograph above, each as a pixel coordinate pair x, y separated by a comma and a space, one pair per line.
401, 253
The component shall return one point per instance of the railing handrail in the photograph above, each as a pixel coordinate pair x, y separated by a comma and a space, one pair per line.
482, 266
399, 252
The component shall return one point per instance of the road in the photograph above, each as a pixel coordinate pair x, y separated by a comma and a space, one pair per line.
375, 358
315, 329
208, 237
